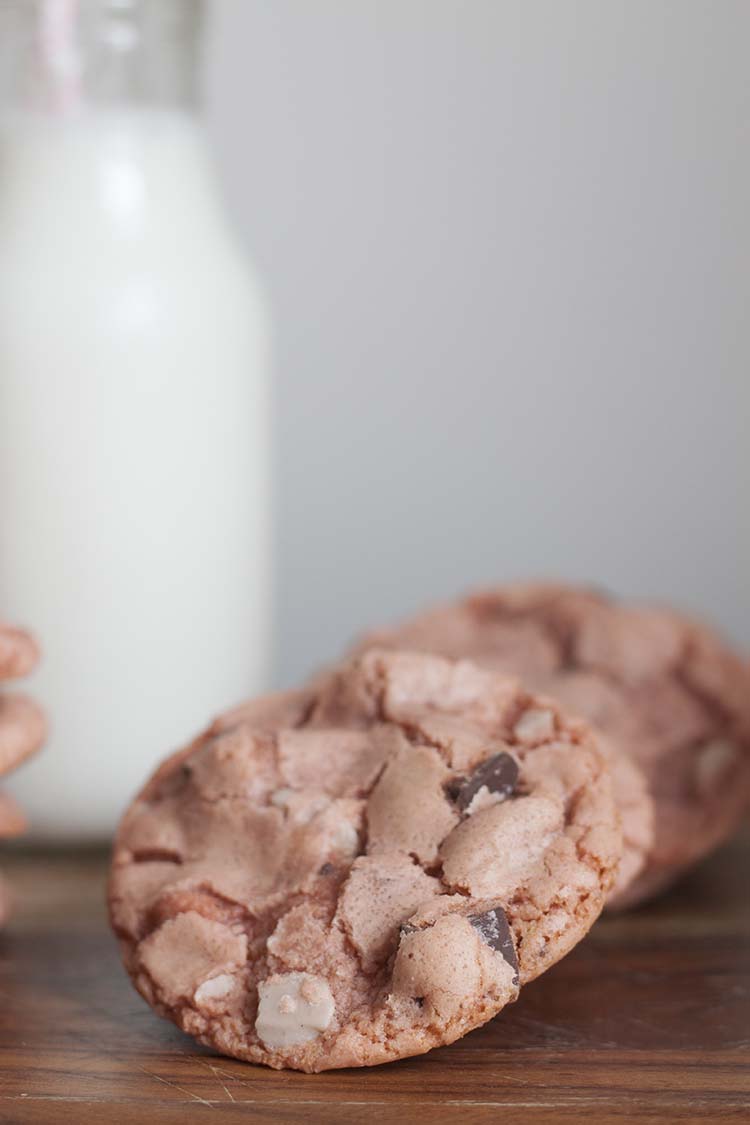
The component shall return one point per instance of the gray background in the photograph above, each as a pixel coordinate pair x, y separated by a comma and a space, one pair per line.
506, 243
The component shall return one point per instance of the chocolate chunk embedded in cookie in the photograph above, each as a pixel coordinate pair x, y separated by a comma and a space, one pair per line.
498, 776
367, 872
672, 700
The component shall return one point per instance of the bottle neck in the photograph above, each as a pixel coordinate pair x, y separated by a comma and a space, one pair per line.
59, 58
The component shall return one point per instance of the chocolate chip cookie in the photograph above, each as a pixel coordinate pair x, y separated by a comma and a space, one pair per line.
367, 869
672, 701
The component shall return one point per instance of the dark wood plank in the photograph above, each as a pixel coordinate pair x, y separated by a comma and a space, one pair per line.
648, 1018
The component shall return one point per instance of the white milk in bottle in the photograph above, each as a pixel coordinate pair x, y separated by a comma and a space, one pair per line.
133, 414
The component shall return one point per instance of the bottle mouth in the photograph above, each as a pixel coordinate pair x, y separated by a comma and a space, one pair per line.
60, 55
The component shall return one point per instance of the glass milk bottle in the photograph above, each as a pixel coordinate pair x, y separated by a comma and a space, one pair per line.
133, 402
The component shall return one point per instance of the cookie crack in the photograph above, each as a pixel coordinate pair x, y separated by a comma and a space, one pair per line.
156, 855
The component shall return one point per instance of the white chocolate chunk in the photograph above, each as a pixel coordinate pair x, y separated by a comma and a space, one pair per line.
214, 989
535, 725
293, 1008
484, 798
314, 990
299, 807
346, 839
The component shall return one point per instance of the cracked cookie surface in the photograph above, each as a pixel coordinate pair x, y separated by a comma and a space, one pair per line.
365, 870
671, 700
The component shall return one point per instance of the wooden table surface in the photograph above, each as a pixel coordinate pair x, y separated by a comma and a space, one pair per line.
649, 1017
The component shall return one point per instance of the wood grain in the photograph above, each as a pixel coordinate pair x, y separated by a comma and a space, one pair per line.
649, 1018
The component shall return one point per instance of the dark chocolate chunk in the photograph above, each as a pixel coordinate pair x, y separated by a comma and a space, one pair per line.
499, 774
406, 928
493, 928
409, 928
326, 869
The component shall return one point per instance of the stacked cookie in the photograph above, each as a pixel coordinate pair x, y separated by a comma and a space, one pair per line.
670, 703
374, 865
22, 727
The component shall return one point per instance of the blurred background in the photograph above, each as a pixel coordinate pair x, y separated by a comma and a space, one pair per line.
500, 250
506, 245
